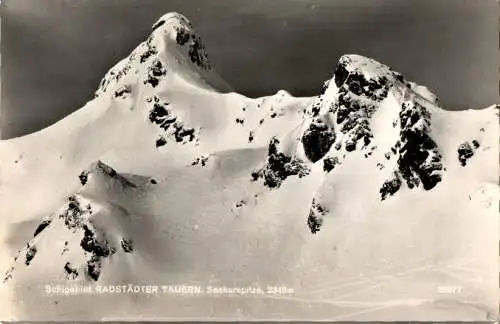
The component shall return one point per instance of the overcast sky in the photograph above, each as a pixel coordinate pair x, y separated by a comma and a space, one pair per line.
54, 52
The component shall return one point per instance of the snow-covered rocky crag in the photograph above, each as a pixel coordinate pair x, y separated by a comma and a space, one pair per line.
367, 202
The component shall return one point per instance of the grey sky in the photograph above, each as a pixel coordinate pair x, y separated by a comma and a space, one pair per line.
54, 52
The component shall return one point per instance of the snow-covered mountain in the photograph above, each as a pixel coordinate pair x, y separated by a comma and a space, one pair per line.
369, 201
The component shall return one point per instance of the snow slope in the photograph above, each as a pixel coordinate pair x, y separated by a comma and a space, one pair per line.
369, 201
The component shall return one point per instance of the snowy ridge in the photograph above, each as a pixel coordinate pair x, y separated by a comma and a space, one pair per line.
165, 177
83, 243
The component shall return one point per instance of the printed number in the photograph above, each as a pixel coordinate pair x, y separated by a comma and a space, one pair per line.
279, 290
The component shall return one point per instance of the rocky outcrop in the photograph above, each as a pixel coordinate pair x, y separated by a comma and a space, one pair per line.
317, 140
315, 218
419, 156
279, 167
466, 151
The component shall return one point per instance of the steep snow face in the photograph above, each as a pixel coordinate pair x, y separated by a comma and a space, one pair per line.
366, 200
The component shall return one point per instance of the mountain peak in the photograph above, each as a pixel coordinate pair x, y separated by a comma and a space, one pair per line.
363, 76
172, 19
173, 48
366, 102
368, 67
177, 33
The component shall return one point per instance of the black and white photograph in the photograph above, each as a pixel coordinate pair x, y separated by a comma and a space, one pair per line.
249, 160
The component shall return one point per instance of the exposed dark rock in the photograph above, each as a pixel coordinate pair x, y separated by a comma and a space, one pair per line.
30, 254
97, 249
152, 80
315, 109
42, 226
71, 272
84, 176
353, 119
250, 137
74, 214
106, 169
390, 187
241, 203
155, 72
197, 53
240, 121
416, 146
315, 218
183, 36
149, 52
126, 245
476, 144
121, 92
340, 74
153, 181
90, 244
113, 76
161, 142
65, 248
181, 133
317, 140
158, 24
201, 160
399, 76
94, 268
353, 112
329, 163
161, 116
279, 167
351, 146
465, 152
375, 89
8, 274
